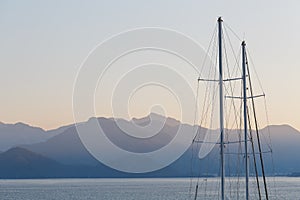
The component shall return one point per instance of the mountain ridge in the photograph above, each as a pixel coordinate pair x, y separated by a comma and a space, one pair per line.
66, 148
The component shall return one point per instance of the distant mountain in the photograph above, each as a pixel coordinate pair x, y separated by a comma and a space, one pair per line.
12, 135
67, 147
16, 134
285, 144
21, 163
73, 160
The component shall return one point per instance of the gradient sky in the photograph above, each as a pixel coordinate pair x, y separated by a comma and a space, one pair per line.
43, 44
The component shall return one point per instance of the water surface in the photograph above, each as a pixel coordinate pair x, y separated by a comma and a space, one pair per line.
137, 189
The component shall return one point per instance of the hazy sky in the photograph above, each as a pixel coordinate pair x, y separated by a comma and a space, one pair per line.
43, 44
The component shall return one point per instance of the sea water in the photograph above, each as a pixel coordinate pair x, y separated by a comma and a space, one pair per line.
139, 189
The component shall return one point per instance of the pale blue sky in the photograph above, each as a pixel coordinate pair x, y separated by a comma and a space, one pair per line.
44, 42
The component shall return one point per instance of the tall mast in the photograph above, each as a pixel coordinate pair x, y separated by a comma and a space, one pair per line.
257, 133
221, 111
245, 117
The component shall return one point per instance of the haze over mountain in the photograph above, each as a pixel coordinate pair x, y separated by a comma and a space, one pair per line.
67, 147
62, 150
285, 144
18, 162
12, 135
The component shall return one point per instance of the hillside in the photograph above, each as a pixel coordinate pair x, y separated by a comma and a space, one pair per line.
64, 155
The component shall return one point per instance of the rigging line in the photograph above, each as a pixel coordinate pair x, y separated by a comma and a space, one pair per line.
192, 163
234, 153
254, 69
196, 109
209, 102
229, 168
234, 33
210, 192
272, 158
205, 111
213, 101
196, 193
236, 121
239, 150
194, 125
211, 117
191, 178
199, 169
211, 160
240, 160
207, 90
217, 186
212, 65
232, 49
257, 133
232, 88
236, 61
254, 157
227, 67
192, 152
235, 68
234, 111
228, 132
205, 189
197, 145
268, 125
210, 43
213, 106
229, 74
201, 184
213, 36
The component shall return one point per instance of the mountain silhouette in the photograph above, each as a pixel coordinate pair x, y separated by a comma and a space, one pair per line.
12, 135
21, 163
62, 154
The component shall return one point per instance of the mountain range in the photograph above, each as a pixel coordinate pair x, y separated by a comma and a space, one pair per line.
13, 135
31, 152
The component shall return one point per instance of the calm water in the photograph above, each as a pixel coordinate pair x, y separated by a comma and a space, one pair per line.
131, 189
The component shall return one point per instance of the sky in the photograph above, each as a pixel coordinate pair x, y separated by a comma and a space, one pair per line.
44, 43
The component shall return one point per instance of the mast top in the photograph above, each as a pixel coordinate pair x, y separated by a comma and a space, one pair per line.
220, 19
243, 43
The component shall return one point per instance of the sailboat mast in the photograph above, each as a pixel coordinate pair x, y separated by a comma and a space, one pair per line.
245, 118
221, 110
